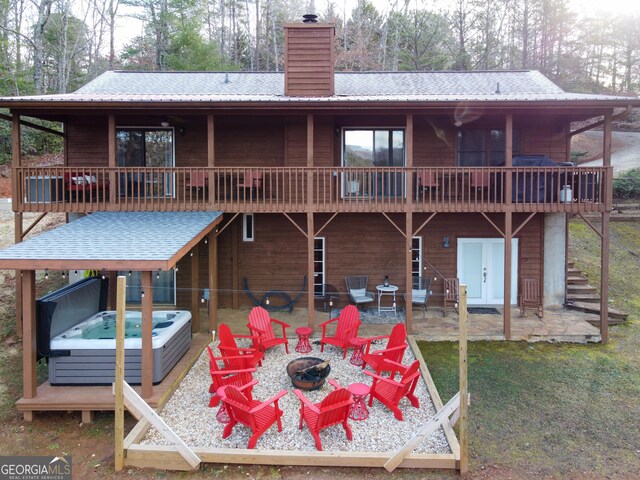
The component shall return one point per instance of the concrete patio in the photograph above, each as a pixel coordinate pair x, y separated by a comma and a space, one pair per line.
558, 325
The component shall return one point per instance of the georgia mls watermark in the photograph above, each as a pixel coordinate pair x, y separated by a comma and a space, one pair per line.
35, 468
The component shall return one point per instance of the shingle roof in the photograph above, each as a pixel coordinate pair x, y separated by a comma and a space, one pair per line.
155, 238
231, 87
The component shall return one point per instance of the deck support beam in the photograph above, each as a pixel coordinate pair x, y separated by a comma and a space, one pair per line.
508, 226
604, 239
29, 381
16, 145
408, 230
214, 302
147, 332
195, 289
112, 149
310, 223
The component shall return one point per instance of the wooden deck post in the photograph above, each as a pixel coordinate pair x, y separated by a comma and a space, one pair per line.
604, 238
213, 281
408, 255
29, 380
508, 230
464, 395
310, 224
196, 293
111, 142
211, 160
16, 146
409, 226
121, 296
147, 338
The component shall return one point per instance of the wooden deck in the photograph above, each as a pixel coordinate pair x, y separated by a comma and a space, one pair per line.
95, 398
317, 189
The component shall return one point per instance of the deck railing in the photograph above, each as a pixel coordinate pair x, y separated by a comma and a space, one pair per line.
322, 189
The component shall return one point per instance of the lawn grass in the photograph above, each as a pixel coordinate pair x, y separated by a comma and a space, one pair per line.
558, 409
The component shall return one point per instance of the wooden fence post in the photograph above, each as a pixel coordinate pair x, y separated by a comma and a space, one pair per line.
119, 397
464, 395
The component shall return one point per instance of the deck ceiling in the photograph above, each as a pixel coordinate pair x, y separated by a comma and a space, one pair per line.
113, 241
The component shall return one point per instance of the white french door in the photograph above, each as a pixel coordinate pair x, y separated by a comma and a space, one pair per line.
481, 268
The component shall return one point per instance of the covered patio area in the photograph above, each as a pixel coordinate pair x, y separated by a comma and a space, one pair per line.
560, 325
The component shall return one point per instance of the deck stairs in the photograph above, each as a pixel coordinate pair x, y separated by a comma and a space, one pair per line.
583, 297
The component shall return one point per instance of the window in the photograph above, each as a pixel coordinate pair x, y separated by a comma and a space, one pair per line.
484, 148
416, 257
145, 147
247, 227
318, 266
163, 284
376, 147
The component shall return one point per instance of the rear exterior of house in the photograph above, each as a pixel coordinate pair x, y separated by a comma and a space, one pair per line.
323, 175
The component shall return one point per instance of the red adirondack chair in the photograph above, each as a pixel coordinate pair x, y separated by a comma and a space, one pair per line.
348, 324
390, 392
261, 326
254, 414
396, 345
229, 350
334, 409
221, 377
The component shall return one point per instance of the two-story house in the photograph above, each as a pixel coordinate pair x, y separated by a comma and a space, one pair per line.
314, 174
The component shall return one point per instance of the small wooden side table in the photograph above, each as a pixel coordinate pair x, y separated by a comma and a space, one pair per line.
359, 392
303, 339
358, 344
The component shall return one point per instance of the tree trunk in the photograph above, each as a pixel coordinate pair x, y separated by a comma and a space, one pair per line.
44, 12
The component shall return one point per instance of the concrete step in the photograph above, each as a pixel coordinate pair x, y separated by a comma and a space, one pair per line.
577, 280
583, 289
595, 308
583, 297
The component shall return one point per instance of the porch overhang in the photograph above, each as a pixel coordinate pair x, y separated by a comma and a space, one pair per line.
113, 241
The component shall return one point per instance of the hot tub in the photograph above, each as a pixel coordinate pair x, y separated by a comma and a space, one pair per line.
92, 348
76, 334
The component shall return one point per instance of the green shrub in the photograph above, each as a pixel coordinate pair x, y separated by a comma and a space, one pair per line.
627, 184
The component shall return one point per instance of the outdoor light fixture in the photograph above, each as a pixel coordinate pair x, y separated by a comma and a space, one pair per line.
176, 269
129, 272
158, 275
206, 240
386, 280
76, 273
64, 275
164, 124
46, 274
103, 276
266, 302
142, 294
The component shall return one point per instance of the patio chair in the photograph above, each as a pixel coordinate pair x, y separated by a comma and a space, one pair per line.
197, 181
420, 293
426, 180
480, 181
347, 327
530, 296
229, 350
253, 414
393, 351
251, 180
451, 288
389, 391
261, 326
221, 377
332, 410
357, 290
81, 186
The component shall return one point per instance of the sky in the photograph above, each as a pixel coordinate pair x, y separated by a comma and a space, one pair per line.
129, 28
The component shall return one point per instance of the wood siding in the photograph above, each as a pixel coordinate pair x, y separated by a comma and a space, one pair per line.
309, 60
355, 245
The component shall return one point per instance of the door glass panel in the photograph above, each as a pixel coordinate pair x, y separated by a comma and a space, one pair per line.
143, 148
496, 271
471, 271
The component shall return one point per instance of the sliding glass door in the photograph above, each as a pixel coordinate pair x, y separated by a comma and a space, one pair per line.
142, 148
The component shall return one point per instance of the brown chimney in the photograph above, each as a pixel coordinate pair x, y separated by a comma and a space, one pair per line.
309, 59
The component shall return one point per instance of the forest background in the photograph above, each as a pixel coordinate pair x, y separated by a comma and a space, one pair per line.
56, 46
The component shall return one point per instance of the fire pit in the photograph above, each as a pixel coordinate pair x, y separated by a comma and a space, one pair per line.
308, 373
